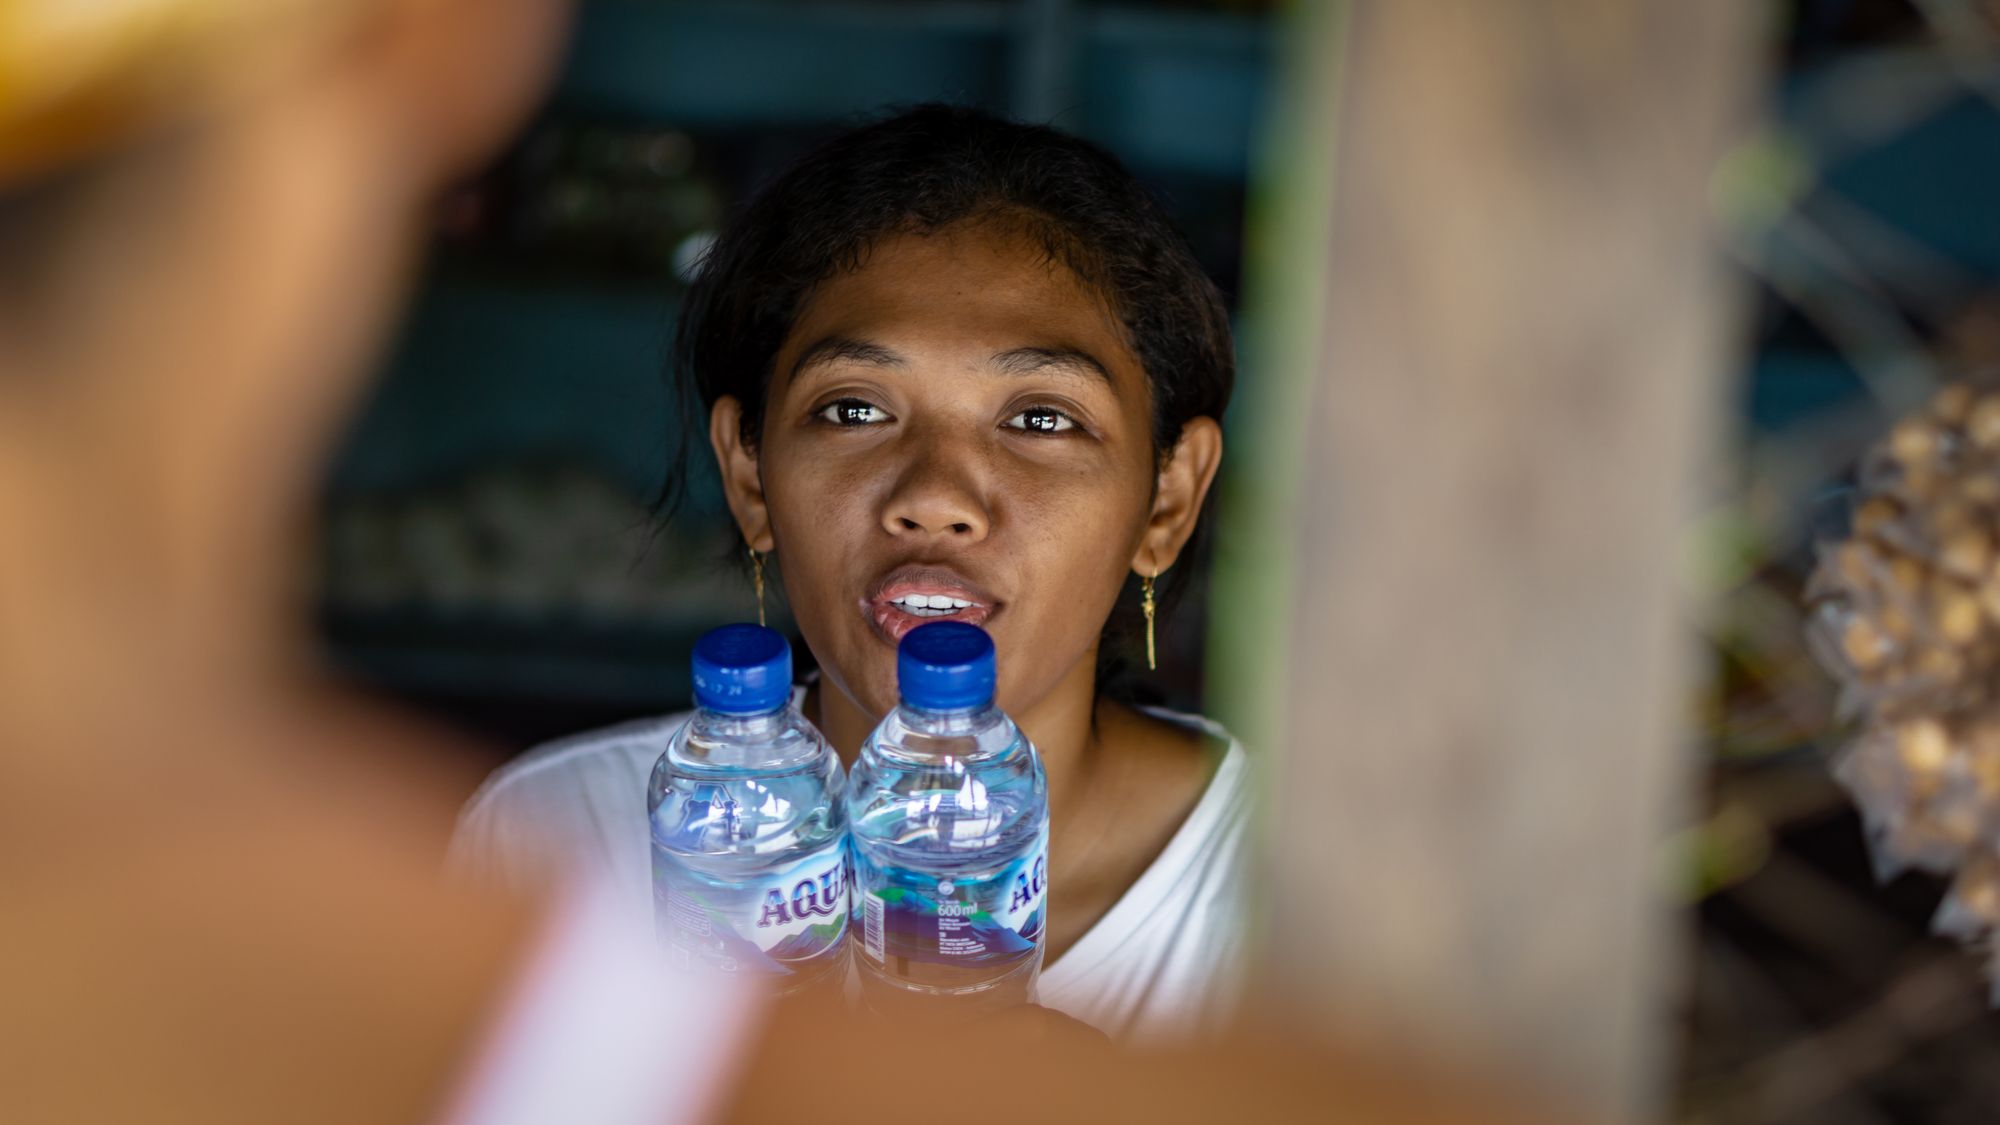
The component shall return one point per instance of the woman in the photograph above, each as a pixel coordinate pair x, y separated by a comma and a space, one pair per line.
961, 368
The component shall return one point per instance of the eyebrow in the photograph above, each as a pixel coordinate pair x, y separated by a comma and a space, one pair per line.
844, 349
1016, 361
1029, 361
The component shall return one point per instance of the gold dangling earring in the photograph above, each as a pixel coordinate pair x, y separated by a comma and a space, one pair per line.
757, 578
1146, 603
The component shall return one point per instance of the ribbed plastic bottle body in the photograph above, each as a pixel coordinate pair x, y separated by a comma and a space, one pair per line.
749, 858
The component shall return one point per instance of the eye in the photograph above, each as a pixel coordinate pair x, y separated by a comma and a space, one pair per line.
1041, 420
852, 412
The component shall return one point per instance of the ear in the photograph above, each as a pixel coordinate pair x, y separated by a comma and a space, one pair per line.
1178, 496
742, 484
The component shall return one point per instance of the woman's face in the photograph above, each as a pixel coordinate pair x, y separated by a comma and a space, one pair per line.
956, 430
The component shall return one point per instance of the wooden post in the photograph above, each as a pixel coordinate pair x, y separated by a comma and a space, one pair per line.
1517, 332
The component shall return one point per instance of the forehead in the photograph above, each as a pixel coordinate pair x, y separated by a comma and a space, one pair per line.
976, 288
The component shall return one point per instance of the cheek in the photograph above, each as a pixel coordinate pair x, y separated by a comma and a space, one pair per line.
1072, 539
823, 521
1073, 517
818, 512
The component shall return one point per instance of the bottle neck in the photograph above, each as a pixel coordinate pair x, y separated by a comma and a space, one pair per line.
761, 723
718, 739
947, 723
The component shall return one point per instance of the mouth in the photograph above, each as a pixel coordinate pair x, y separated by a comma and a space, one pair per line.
917, 595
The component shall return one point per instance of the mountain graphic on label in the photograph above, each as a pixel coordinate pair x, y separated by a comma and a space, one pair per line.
809, 942
744, 953
1031, 927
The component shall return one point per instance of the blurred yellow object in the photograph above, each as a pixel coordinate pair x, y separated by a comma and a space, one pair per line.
77, 76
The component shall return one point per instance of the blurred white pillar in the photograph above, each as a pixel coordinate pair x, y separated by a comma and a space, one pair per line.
1449, 599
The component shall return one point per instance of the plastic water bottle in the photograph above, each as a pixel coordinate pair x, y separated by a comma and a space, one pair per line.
749, 836
949, 812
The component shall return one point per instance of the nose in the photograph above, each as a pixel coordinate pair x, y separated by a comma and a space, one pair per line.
937, 497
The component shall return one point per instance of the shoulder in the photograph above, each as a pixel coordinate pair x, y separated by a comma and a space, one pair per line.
1200, 859
579, 762
1227, 771
1165, 963
1169, 753
1231, 767
1187, 799
563, 800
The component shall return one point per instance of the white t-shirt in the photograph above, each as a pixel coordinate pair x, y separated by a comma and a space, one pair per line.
1163, 964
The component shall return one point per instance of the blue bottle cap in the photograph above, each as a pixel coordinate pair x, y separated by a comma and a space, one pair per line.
742, 670
945, 666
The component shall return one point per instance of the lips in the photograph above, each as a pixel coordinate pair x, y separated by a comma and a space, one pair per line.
909, 596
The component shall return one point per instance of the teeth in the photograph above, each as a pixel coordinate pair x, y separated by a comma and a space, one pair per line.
931, 605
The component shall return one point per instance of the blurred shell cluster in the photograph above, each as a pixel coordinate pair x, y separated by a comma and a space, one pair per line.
522, 542
1906, 614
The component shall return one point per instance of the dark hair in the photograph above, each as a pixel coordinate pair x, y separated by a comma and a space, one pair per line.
925, 169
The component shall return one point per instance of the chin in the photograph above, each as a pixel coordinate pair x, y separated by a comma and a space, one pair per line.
878, 697
869, 682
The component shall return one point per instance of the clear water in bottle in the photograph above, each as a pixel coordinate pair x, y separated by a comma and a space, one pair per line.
750, 866
948, 809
